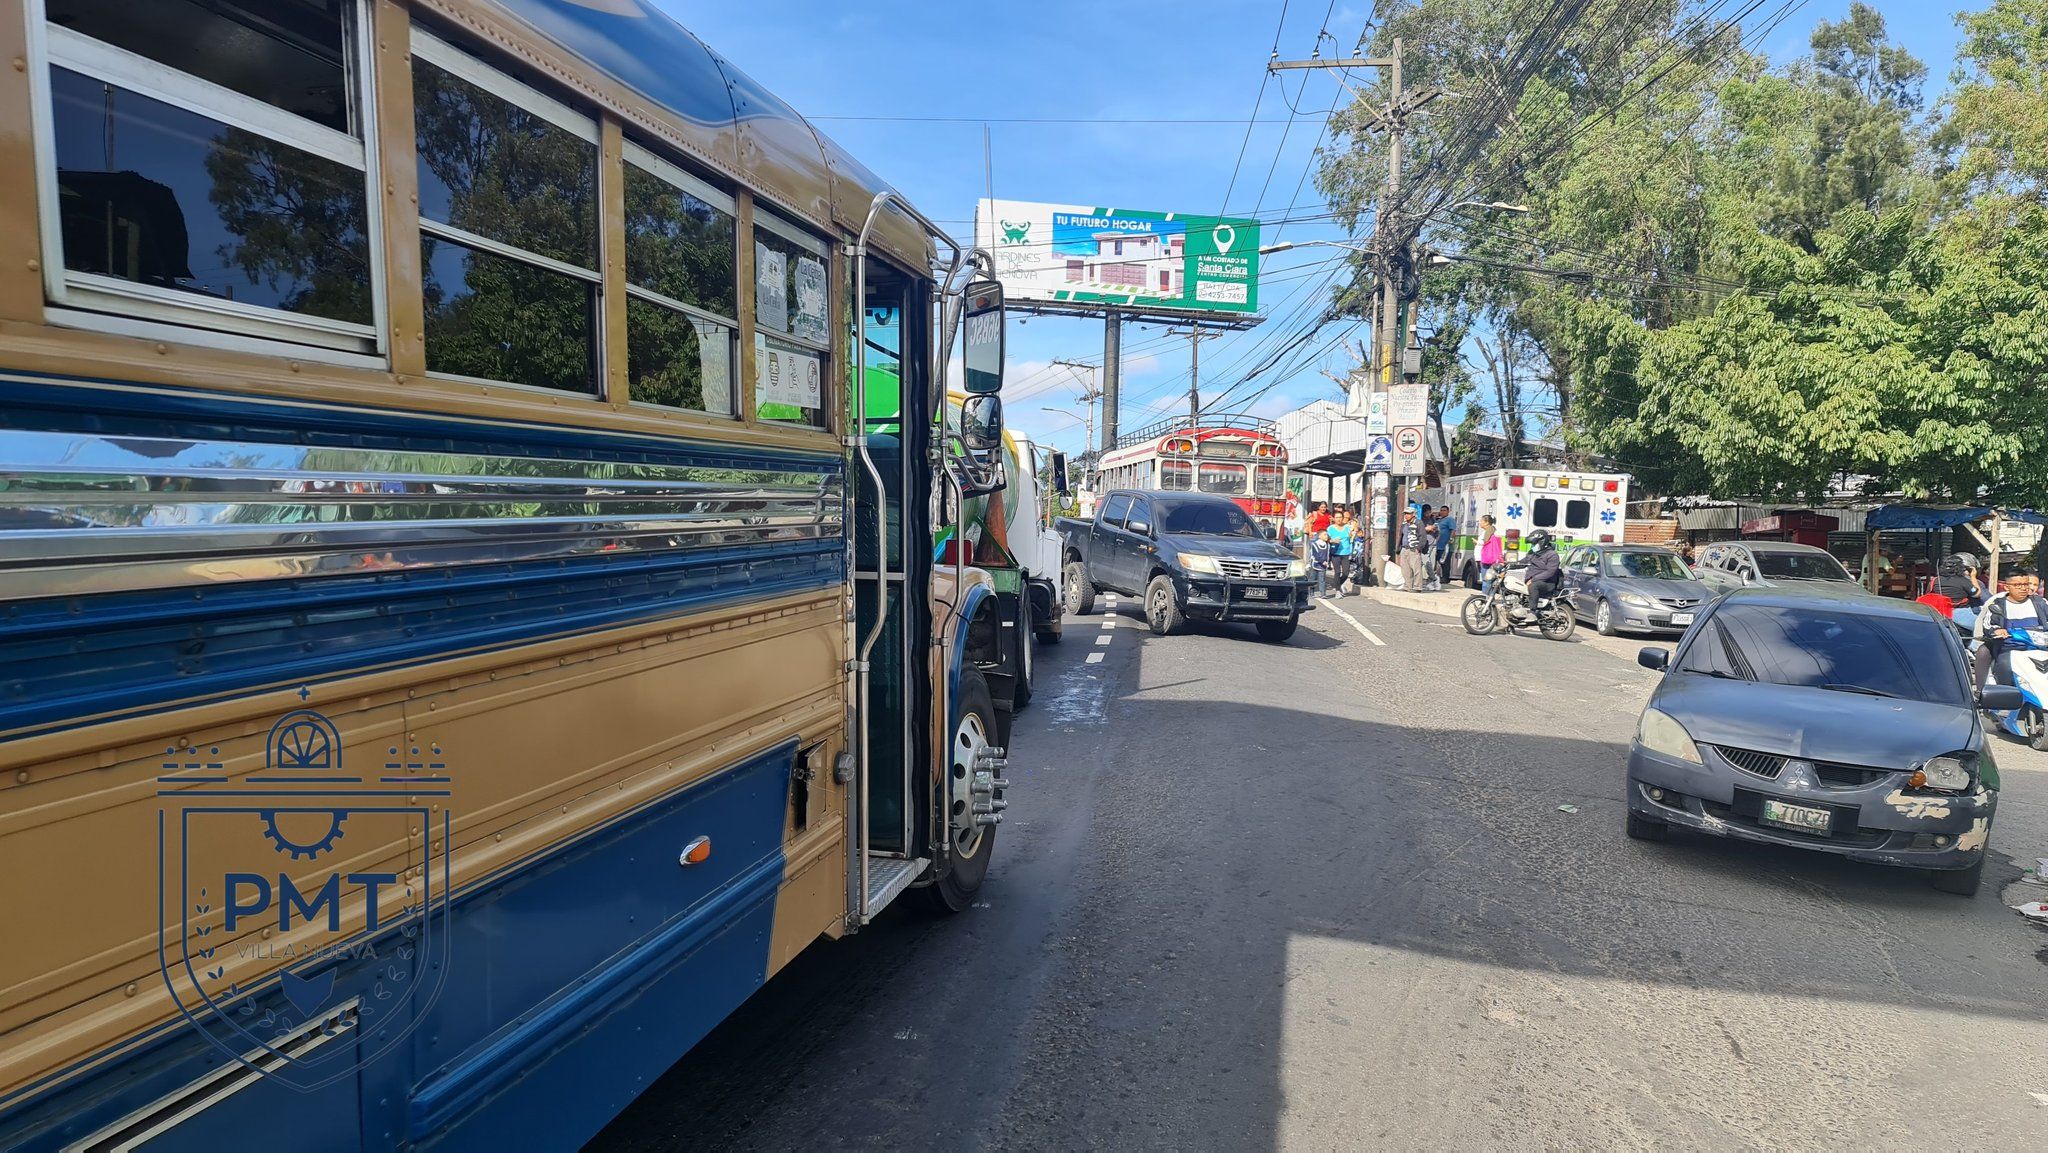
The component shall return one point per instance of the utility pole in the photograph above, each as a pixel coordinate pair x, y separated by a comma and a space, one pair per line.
1389, 255
1089, 395
1195, 338
1112, 372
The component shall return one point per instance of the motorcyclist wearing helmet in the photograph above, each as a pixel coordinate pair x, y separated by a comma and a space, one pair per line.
1544, 572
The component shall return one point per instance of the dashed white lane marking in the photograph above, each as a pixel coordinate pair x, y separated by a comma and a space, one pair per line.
1110, 623
1363, 631
1095, 658
1103, 640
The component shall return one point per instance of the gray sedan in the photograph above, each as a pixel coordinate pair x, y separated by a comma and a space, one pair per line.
1823, 718
1633, 587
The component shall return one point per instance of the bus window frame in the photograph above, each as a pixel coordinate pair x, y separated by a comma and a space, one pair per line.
465, 65
110, 305
766, 220
634, 154
1244, 476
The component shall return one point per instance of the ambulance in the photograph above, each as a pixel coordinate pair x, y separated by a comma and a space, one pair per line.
1577, 507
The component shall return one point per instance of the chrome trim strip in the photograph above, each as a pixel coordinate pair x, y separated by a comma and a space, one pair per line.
86, 513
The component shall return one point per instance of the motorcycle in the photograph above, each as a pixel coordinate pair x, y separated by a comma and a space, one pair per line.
2029, 722
1505, 607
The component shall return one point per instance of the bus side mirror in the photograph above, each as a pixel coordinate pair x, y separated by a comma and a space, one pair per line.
1060, 483
981, 423
982, 356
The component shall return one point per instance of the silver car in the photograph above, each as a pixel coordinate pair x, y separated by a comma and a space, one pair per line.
1733, 564
1634, 588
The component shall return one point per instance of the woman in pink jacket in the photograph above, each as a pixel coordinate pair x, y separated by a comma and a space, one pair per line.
1491, 553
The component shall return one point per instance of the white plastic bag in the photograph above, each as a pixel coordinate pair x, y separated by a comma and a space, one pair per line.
1391, 576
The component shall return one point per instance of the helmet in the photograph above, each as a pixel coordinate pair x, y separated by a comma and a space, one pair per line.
1540, 540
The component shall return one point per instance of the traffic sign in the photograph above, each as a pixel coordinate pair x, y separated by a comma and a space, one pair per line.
1379, 454
1408, 450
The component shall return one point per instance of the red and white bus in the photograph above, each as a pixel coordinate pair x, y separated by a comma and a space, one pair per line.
1225, 453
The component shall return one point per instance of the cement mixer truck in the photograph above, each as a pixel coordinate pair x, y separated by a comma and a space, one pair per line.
1010, 535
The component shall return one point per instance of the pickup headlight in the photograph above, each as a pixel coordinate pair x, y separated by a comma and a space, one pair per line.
1952, 773
1197, 563
1297, 569
1660, 732
1634, 600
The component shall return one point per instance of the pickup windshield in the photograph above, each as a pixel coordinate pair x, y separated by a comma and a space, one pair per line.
1205, 518
1829, 648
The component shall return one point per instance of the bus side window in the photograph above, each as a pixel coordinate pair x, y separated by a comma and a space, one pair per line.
1578, 513
1544, 514
521, 306
224, 184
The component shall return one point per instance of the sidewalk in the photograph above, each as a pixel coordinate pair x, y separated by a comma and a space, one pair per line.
1445, 603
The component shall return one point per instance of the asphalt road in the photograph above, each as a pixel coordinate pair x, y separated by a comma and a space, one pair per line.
1322, 896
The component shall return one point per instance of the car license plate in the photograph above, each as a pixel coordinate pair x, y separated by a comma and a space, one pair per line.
1256, 593
1681, 618
1801, 817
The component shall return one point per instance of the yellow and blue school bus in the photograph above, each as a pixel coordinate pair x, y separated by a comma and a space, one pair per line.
464, 624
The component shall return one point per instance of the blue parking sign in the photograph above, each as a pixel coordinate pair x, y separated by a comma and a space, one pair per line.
1379, 454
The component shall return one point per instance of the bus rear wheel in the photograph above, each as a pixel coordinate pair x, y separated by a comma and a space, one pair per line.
974, 779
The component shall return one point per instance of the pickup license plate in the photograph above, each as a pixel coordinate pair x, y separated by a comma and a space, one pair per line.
1801, 817
1255, 593
1681, 618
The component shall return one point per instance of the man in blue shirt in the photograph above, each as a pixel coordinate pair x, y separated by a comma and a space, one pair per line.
1446, 544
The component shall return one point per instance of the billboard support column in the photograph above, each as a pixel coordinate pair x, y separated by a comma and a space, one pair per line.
1112, 377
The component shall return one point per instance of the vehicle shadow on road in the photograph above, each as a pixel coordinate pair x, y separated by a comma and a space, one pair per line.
1240, 949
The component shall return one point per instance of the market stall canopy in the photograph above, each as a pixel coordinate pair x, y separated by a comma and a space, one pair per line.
1927, 517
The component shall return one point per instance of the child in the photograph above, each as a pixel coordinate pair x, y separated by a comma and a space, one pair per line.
1321, 557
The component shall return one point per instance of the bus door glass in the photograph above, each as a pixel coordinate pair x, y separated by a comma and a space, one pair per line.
1226, 479
891, 322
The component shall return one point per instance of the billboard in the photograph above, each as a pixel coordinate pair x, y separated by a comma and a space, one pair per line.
1074, 254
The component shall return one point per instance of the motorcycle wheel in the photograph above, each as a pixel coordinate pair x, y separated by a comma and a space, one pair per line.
2036, 727
1480, 616
1557, 622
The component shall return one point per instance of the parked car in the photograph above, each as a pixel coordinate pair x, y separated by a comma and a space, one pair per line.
1735, 564
1632, 587
1189, 556
1824, 719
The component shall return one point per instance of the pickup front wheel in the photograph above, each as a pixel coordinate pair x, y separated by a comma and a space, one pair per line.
1277, 631
1080, 590
1162, 607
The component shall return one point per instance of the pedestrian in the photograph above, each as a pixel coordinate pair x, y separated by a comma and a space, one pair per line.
1319, 520
1491, 552
1293, 525
1685, 554
1411, 549
1959, 581
2020, 608
1323, 559
1344, 544
1446, 543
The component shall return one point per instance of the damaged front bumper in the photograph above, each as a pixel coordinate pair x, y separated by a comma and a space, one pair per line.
1879, 821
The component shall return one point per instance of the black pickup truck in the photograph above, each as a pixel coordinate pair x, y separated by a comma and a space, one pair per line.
1191, 556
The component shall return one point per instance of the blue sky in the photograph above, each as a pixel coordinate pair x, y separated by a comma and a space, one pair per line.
1195, 61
